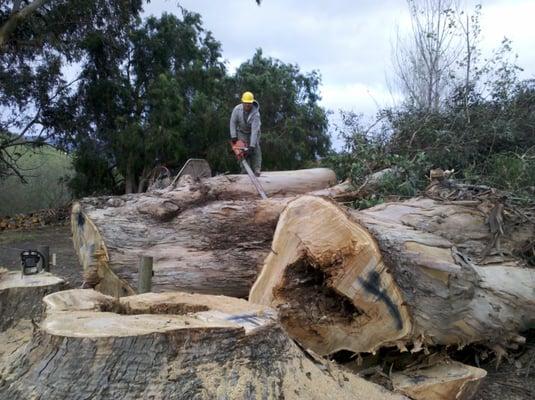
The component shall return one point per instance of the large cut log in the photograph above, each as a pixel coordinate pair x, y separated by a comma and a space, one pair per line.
21, 295
399, 274
213, 249
198, 244
190, 347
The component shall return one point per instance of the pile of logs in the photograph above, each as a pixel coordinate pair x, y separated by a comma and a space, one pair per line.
49, 216
414, 277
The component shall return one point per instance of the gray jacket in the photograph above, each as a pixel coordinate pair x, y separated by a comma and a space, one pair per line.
246, 124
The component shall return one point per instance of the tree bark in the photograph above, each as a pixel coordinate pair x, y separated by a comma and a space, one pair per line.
20, 296
205, 237
190, 347
399, 274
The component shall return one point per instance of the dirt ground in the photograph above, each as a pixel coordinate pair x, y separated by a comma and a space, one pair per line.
60, 242
513, 380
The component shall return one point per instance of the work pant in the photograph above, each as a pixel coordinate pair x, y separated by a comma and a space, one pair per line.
254, 160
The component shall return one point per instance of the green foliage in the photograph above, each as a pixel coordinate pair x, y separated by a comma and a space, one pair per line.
35, 97
365, 154
512, 172
294, 126
47, 171
484, 130
149, 93
153, 103
168, 98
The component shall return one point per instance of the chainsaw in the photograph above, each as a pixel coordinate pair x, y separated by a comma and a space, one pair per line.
31, 262
240, 150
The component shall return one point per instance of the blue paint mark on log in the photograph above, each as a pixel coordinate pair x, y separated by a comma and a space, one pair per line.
81, 220
373, 286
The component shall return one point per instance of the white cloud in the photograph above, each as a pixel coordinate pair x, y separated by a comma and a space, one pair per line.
514, 20
357, 97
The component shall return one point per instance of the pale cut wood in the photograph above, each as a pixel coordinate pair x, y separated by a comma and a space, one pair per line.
226, 349
395, 275
447, 380
21, 295
198, 244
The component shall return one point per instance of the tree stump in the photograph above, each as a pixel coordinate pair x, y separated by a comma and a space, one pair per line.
169, 346
21, 295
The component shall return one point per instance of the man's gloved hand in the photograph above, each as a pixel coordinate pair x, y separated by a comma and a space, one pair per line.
250, 150
234, 140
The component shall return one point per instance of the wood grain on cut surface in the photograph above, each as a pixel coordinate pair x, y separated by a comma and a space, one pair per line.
218, 347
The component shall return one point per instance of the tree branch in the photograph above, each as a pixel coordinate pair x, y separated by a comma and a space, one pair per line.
11, 24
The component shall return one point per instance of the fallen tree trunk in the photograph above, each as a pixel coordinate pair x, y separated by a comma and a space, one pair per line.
190, 347
399, 274
21, 295
166, 204
213, 249
198, 245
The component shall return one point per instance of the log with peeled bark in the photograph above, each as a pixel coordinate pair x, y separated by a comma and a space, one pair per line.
169, 346
21, 295
399, 274
206, 237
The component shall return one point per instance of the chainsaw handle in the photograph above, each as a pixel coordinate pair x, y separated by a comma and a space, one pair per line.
239, 148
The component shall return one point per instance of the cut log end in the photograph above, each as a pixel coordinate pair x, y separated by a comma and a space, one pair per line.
359, 281
327, 276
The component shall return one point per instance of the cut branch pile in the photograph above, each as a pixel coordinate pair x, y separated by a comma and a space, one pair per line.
49, 216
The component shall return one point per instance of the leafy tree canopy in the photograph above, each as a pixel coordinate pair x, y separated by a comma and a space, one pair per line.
168, 98
38, 40
125, 95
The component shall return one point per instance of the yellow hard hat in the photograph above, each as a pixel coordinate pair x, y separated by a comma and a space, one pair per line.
247, 97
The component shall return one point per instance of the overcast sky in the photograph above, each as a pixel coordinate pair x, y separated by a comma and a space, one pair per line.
347, 41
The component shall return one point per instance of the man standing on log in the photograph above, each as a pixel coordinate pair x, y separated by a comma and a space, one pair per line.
245, 125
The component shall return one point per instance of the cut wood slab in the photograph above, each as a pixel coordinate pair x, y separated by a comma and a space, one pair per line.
216, 348
207, 236
449, 380
399, 274
21, 295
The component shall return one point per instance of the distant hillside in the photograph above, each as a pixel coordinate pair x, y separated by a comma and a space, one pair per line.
45, 170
